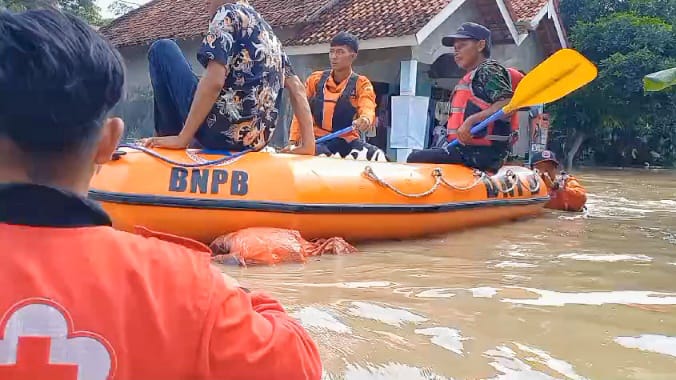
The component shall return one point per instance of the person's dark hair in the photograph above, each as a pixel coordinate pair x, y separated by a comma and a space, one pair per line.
58, 80
346, 39
487, 50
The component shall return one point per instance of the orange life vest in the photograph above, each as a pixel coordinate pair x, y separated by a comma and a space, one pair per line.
83, 297
464, 104
570, 196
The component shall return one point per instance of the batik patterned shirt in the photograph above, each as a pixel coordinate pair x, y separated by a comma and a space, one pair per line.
246, 110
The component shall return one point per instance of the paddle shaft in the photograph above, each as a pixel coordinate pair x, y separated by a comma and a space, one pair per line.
481, 126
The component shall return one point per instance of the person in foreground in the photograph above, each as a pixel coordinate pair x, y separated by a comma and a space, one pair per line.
340, 98
565, 192
234, 106
80, 299
485, 89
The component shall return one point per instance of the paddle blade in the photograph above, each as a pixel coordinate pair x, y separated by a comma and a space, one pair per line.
562, 73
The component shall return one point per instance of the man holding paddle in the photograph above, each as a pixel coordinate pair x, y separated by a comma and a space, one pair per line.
485, 89
340, 98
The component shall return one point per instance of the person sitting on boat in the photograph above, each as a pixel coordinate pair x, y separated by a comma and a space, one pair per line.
340, 98
234, 106
565, 191
110, 304
485, 89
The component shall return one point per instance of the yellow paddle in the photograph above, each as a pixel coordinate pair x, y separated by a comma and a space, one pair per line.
562, 73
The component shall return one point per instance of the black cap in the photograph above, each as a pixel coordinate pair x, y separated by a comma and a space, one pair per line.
469, 30
545, 155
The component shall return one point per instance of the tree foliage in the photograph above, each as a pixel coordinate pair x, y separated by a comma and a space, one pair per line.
626, 39
85, 9
121, 7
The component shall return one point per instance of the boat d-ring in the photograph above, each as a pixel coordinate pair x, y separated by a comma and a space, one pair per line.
118, 154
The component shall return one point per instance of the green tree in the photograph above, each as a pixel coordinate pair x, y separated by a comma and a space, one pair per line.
627, 39
121, 7
85, 9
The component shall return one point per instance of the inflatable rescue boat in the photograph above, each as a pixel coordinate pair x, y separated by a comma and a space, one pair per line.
320, 196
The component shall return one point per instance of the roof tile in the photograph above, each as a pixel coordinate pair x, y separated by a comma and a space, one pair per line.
316, 19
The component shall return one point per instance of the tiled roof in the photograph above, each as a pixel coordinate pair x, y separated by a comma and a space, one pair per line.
525, 10
316, 19
189, 18
370, 19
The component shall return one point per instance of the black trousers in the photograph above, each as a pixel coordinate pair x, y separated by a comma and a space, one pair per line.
484, 158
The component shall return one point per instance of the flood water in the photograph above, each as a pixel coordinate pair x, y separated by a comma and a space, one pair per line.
563, 296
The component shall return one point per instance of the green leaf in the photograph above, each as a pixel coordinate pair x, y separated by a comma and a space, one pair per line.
660, 80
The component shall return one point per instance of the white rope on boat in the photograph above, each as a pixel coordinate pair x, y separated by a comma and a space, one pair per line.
439, 179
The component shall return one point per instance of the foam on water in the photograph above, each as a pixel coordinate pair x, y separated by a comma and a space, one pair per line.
484, 292
514, 264
648, 342
506, 362
311, 317
557, 365
386, 371
435, 293
388, 315
608, 258
445, 337
552, 298
511, 368
346, 285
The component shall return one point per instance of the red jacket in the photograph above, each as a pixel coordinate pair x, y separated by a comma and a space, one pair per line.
81, 296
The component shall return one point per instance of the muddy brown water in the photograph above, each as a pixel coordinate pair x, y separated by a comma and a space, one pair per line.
562, 296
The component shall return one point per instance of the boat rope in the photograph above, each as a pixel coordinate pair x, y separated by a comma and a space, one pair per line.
439, 179
198, 161
196, 158
436, 173
477, 173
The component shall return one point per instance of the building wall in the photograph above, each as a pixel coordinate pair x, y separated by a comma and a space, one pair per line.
430, 49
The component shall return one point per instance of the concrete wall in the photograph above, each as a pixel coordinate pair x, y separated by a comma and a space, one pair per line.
430, 49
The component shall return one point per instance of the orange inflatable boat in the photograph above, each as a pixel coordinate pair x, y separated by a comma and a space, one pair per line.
319, 196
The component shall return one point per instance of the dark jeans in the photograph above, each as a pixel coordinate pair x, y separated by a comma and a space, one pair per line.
174, 85
487, 159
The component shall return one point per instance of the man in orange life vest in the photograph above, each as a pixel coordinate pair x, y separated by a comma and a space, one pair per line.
79, 299
565, 192
486, 88
340, 98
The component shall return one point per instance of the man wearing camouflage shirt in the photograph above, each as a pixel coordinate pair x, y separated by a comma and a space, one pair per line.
485, 89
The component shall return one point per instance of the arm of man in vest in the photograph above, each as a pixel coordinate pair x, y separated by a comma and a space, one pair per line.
294, 133
250, 336
366, 105
492, 84
302, 115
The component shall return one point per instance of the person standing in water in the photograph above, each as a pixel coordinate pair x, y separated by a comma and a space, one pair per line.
485, 89
565, 191
81, 300
340, 98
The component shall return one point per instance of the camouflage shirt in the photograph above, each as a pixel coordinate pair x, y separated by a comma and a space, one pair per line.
491, 82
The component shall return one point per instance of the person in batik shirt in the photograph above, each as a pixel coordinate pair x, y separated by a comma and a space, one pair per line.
234, 106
